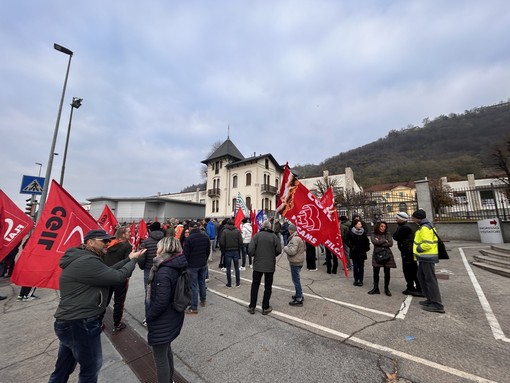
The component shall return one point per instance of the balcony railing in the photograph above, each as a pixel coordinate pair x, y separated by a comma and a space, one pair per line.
213, 192
268, 189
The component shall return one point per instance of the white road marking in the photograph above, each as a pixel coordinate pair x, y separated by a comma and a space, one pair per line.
375, 346
489, 314
401, 315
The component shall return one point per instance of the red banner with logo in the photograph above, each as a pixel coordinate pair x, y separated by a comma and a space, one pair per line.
108, 221
14, 225
315, 221
63, 224
336, 246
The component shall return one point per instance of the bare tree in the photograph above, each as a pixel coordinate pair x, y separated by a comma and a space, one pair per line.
203, 169
440, 194
501, 157
323, 185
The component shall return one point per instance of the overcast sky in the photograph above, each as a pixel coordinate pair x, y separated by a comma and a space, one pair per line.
162, 81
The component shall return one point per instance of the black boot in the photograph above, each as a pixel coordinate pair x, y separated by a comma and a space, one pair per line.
387, 291
387, 282
375, 290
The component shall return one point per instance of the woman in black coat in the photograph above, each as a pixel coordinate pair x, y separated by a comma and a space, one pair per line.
382, 241
357, 240
164, 323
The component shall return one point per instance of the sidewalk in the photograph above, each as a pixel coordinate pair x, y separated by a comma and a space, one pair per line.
29, 345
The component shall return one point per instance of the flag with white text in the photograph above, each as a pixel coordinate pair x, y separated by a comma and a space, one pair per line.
63, 224
314, 220
14, 225
108, 221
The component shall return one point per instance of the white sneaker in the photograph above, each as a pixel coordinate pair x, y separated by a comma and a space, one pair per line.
223, 269
251, 266
242, 268
313, 269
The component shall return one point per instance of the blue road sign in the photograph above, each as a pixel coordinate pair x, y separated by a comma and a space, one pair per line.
32, 185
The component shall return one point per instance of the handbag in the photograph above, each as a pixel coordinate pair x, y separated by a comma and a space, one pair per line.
441, 248
382, 254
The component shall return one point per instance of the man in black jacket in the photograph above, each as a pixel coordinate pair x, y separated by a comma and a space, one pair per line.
404, 235
197, 248
231, 242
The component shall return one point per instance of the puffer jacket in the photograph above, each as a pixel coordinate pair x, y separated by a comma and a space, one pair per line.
197, 248
151, 244
295, 250
231, 239
164, 323
425, 243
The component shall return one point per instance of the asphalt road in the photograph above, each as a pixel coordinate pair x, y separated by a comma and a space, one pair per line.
342, 334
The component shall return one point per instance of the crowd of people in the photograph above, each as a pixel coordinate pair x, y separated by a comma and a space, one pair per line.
99, 270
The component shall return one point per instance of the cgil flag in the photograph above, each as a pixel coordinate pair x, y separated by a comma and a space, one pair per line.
108, 221
238, 219
63, 224
314, 220
328, 200
14, 225
253, 221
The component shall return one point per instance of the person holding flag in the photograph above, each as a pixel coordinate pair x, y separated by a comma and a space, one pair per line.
84, 286
295, 251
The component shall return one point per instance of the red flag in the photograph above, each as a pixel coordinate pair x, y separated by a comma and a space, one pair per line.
14, 225
335, 243
142, 232
313, 220
239, 218
107, 220
253, 220
132, 240
63, 224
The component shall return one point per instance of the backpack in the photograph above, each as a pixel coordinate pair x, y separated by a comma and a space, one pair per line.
183, 291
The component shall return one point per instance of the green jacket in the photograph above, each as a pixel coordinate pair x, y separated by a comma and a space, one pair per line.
425, 243
85, 282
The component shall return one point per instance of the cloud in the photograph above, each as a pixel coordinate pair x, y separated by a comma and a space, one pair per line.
163, 81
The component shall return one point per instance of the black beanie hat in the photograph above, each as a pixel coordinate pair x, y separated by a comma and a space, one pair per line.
419, 214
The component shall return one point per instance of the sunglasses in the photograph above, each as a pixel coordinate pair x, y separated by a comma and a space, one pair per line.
105, 241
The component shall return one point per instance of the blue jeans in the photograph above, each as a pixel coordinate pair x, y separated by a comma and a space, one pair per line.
80, 342
198, 284
244, 254
229, 257
294, 272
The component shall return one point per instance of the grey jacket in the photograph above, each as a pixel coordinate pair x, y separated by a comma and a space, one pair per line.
295, 250
265, 246
85, 282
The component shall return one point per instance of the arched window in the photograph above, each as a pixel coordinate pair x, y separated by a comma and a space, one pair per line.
234, 181
248, 179
248, 202
267, 163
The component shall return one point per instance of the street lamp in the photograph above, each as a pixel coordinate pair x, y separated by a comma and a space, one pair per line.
75, 104
40, 167
47, 180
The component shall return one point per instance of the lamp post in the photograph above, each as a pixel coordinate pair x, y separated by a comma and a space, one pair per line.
40, 167
47, 180
75, 104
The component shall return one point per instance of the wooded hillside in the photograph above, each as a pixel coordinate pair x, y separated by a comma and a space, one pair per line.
452, 146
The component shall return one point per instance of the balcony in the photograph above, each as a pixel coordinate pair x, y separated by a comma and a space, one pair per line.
213, 193
268, 189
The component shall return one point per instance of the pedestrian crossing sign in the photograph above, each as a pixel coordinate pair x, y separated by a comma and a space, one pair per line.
32, 185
